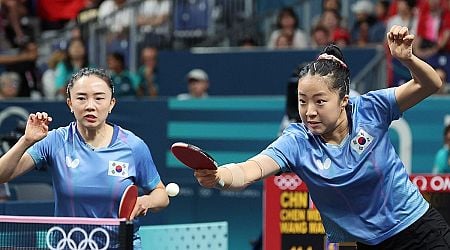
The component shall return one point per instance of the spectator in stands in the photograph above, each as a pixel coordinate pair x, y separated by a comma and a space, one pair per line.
361, 38
24, 63
147, 75
331, 5
198, 84
331, 19
288, 24
9, 85
382, 10
433, 29
284, 41
320, 36
153, 21
334, 5
124, 84
367, 29
76, 59
405, 16
341, 38
442, 157
49, 75
82, 157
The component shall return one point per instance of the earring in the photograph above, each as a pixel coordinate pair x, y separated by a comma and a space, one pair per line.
109, 112
71, 111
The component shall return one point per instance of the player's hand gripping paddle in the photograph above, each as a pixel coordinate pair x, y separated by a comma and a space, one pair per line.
128, 201
193, 156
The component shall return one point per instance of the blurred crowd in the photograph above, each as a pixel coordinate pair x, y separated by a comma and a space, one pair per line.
23, 24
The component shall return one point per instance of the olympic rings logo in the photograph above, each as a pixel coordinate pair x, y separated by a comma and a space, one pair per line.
290, 182
67, 240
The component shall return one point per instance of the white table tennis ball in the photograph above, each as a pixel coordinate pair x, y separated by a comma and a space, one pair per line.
172, 189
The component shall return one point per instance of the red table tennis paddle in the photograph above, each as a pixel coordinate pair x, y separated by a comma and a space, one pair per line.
193, 156
128, 201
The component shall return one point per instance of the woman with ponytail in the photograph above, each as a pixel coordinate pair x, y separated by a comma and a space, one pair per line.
342, 151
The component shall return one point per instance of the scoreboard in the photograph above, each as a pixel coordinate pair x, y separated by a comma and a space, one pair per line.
291, 222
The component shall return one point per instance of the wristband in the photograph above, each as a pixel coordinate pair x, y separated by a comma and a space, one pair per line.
237, 176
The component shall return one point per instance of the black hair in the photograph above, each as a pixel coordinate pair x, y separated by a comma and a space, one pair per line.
119, 57
292, 94
287, 11
411, 3
338, 7
100, 73
333, 67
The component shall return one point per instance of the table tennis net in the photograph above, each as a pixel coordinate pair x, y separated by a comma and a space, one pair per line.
29, 232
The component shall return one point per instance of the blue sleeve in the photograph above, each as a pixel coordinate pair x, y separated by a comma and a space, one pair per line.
147, 176
285, 150
42, 150
273, 152
380, 106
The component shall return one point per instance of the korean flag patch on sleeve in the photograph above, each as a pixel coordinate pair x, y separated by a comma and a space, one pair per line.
117, 168
361, 141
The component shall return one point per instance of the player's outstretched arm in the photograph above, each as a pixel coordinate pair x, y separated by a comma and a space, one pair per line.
425, 79
15, 162
236, 176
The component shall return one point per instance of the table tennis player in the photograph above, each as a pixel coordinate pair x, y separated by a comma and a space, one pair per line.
343, 153
91, 160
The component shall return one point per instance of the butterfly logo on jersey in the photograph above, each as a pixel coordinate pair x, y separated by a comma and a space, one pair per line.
117, 168
72, 163
323, 165
361, 141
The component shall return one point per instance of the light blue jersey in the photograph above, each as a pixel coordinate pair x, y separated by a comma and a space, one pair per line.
90, 182
360, 187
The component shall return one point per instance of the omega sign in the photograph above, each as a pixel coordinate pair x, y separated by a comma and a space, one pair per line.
432, 183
